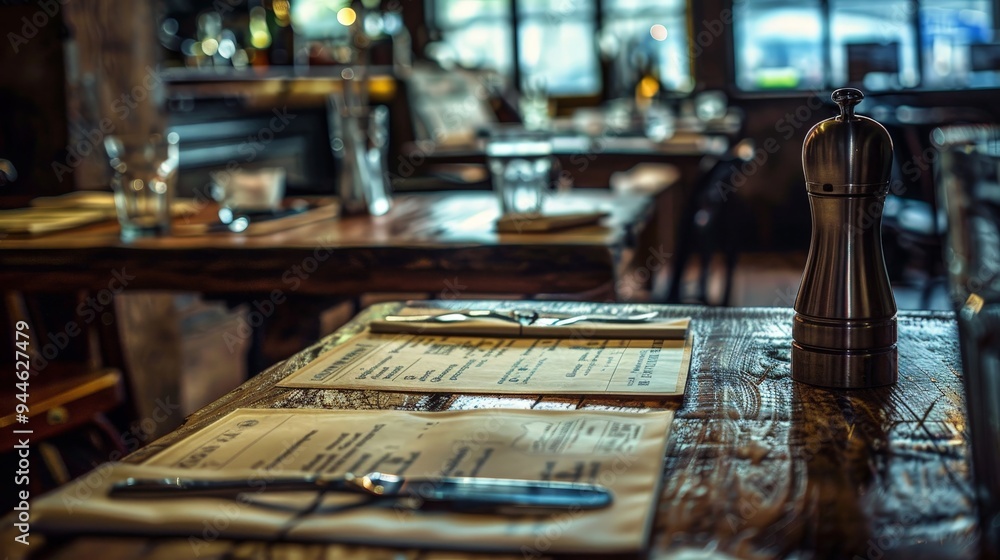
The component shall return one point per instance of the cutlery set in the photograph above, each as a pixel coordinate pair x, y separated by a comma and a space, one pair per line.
523, 318
529, 323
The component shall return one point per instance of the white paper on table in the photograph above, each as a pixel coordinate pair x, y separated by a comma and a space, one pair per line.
622, 451
504, 365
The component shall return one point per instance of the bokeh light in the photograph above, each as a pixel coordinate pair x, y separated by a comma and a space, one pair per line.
346, 16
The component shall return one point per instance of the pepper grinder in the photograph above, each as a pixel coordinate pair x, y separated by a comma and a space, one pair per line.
844, 332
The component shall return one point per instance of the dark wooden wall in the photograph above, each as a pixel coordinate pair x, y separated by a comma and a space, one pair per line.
32, 102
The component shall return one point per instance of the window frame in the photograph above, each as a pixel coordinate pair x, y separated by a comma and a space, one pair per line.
515, 18
826, 23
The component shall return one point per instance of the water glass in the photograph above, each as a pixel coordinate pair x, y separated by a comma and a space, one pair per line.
520, 164
359, 139
969, 190
144, 179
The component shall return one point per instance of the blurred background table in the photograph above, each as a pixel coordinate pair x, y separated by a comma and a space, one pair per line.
290, 286
426, 243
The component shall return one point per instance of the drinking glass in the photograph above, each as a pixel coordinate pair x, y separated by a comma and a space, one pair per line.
143, 180
520, 163
359, 139
970, 193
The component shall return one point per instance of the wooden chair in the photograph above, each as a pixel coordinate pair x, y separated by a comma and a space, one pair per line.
70, 392
716, 219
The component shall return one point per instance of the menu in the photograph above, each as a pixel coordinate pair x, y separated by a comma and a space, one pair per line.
536, 366
622, 451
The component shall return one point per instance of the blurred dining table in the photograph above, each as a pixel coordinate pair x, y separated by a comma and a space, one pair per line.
756, 465
436, 243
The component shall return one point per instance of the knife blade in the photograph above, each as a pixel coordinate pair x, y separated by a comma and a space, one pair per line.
464, 493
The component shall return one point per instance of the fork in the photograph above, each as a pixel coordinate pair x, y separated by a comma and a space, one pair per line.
523, 318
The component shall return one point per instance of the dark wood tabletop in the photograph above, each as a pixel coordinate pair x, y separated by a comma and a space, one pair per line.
453, 234
757, 466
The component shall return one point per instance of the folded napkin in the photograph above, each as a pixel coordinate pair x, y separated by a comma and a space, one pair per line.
543, 327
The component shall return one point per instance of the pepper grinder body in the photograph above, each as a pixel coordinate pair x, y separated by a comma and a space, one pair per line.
844, 331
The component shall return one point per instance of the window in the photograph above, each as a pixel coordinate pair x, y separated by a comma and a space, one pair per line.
873, 44
779, 45
556, 46
556, 40
666, 45
881, 46
478, 32
957, 43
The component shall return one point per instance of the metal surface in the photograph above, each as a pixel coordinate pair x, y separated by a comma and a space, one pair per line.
844, 330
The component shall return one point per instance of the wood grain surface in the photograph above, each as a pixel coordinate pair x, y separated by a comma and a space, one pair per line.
456, 250
757, 466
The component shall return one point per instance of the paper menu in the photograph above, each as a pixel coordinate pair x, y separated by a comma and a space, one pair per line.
623, 451
536, 366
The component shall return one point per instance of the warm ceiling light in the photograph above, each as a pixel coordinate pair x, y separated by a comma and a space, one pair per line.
648, 86
658, 32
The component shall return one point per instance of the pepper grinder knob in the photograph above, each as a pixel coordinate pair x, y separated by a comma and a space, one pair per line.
847, 98
844, 331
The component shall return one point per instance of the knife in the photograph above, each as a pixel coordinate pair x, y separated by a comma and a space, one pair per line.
464, 493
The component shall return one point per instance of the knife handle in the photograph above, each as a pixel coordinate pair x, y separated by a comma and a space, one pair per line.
469, 494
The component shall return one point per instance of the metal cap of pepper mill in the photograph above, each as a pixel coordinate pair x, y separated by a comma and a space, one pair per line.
844, 332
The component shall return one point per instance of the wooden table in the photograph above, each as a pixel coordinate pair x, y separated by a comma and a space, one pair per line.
758, 466
434, 243
591, 160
